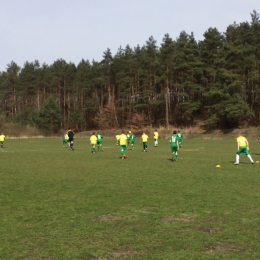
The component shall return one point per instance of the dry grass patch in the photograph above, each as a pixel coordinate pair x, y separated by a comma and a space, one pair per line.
225, 247
210, 230
212, 220
122, 253
109, 217
172, 219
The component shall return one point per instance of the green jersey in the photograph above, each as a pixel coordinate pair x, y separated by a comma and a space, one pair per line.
99, 137
179, 135
132, 138
174, 140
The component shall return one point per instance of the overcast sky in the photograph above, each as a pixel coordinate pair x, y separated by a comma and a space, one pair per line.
47, 30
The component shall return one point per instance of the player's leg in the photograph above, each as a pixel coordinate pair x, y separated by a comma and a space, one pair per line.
176, 154
93, 148
122, 150
237, 156
248, 155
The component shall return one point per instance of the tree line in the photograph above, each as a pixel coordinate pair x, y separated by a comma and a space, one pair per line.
216, 80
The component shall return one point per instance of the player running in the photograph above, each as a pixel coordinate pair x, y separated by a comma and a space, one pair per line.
132, 141
93, 142
122, 145
155, 136
179, 135
174, 145
65, 140
71, 134
243, 148
99, 142
145, 141
2, 139
128, 135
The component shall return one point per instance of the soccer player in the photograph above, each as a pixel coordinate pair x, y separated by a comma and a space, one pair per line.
174, 145
179, 135
99, 142
145, 141
243, 148
117, 139
2, 139
132, 141
122, 144
93, 142
71, 134
128, 135
155, 136
65, 139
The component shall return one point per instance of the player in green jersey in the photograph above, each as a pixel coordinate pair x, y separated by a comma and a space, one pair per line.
179, 135
128, 135
65, 140
174, 145
132, 141
99, 142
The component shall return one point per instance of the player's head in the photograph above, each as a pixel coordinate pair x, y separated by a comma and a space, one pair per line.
129, 132
93, 133
155, 130
174, 132
122, 131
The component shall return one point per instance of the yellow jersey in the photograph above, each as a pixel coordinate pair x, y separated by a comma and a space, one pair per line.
2, 138
144, 138
242, 141
123, 139
117, 137
156, 135
93, 139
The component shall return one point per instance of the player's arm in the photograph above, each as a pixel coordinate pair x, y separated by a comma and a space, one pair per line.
178, 147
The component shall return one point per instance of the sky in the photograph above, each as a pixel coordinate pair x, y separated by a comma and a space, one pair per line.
48, 30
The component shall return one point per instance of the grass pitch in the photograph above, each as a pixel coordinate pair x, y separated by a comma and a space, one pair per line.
62, 204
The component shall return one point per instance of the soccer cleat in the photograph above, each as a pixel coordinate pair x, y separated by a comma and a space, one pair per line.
125, 156
252, 162
236, 163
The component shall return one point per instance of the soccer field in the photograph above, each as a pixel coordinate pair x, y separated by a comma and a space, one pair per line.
62, 204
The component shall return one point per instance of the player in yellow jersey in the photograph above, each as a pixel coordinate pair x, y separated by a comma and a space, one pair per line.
243, 148
122, 144
145, 141
93, 142
2, 139
155, 136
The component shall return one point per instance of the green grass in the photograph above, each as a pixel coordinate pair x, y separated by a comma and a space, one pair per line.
62, 204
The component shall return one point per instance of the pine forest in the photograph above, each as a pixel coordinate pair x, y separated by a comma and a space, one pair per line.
174, 83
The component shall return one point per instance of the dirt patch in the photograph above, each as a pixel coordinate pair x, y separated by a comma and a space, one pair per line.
212, 220
171, 219
226, 247
210, 230
109, 217
122, 253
